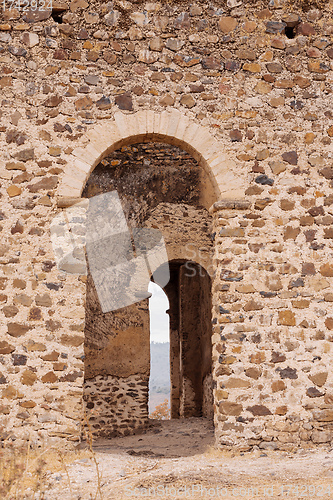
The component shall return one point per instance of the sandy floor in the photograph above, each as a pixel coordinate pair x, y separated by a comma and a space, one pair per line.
177, 460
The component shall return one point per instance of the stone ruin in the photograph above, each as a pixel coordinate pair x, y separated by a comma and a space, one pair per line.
214, 123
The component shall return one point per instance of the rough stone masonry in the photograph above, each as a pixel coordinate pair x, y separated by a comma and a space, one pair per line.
246, 89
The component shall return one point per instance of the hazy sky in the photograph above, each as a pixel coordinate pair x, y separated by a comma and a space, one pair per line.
159, 320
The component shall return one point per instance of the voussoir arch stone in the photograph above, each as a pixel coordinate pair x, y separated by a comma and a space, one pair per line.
148, 126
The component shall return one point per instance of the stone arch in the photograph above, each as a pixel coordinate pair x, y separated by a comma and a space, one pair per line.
146, 125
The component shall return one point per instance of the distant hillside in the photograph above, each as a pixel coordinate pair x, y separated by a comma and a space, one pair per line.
159, 383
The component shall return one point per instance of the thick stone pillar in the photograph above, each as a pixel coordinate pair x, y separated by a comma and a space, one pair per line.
172, 292
117, 365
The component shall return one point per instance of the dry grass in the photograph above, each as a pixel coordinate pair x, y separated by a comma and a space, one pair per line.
25, 473
12, 466
89, 438
22, 469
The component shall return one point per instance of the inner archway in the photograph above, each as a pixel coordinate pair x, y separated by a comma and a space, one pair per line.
160, 187
189, 293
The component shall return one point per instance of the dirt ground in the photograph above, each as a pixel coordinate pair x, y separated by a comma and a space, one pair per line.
177, 460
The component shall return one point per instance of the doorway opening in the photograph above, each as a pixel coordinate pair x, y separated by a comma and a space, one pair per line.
160, 187
159, 379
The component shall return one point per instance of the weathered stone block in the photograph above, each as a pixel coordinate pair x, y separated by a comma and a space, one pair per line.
237, 383
259, 410
287, 318
321, 436
252, 372
278, 385
228, 232
323, 415
28, 377
230, 408
329, 323
49, 378
326, 270
227, 24
287, 372
5, 347
258, 358
319, 379
278, 357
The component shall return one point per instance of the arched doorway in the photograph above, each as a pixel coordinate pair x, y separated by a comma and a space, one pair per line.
160, 187
224, 179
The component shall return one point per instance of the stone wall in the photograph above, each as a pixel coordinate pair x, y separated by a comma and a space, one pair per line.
258, 79
273, 338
